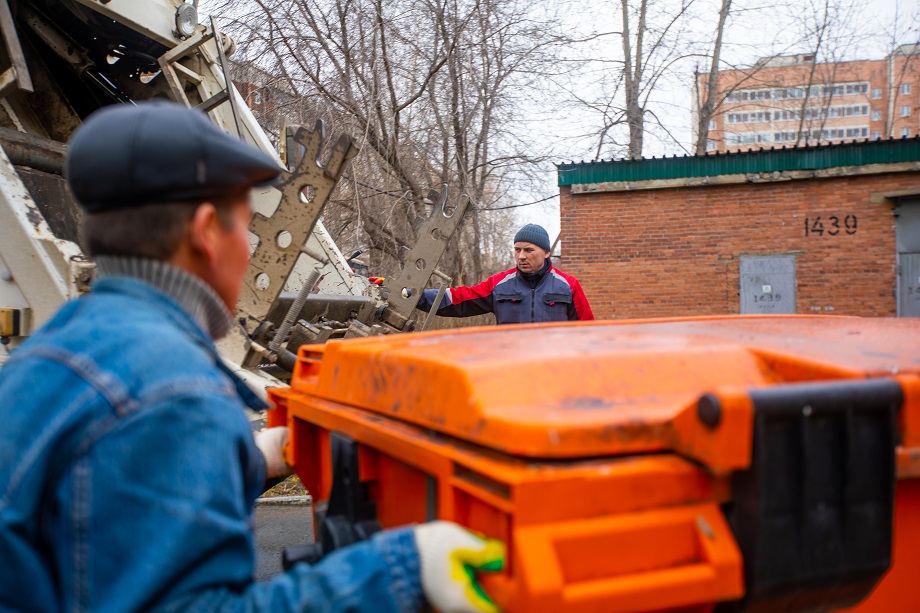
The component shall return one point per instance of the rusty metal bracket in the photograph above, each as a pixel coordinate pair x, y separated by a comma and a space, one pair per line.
17, 75
176, 74
304, 193
82, 273
445, 283
225, 94
423, 258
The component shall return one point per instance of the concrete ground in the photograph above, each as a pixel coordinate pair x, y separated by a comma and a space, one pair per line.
280, 522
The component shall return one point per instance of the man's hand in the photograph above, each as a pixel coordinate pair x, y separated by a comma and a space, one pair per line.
449, 557
271, 442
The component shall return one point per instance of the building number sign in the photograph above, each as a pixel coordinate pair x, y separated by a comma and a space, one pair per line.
832, 226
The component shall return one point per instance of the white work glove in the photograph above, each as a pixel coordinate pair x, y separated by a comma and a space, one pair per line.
449, 558
271, 442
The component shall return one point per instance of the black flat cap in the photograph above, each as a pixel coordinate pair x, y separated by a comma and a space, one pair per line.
125, 156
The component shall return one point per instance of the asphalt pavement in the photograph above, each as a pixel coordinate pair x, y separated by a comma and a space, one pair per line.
280, 522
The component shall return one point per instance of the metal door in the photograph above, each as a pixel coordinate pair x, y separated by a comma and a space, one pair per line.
908, 246
768, 284
909, 285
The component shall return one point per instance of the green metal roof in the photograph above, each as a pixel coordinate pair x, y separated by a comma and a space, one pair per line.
743, 162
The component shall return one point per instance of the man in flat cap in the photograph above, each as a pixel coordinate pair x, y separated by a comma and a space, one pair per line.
531, 292
128, 469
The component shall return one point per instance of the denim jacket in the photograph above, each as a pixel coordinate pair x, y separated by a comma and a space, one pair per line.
128, 475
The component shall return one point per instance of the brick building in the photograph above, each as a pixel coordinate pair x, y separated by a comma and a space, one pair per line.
789, 101
809, 230
270, 99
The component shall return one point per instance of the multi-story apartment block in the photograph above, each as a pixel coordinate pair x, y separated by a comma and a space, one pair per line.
791, 101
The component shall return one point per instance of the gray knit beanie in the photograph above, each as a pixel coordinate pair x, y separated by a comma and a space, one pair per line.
532, 233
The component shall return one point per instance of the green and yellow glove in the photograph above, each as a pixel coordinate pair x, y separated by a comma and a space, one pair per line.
449, 557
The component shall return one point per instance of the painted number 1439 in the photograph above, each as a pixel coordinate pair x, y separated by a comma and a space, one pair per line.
832, 226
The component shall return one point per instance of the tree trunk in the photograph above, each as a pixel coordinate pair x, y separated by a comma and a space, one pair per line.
707, 109
820, 31
632, 73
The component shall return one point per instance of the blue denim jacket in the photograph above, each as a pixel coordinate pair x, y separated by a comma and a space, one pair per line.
128, 475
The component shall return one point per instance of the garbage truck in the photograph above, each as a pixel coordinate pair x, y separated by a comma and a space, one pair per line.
61, 61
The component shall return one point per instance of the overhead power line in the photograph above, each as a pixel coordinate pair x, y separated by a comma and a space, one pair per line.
516, 206
383, 192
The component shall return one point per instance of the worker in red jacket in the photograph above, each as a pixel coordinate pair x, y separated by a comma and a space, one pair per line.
533, 291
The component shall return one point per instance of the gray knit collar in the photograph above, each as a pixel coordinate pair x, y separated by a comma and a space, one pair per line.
195, 296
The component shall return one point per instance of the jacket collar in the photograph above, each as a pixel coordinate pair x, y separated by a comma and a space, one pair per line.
195, 297
534, 278
187, 301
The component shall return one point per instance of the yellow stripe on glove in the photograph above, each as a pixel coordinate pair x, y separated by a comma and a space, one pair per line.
450, 556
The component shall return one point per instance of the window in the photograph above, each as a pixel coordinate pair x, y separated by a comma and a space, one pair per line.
857, 110
712, 124
710, 145
857, 132
876, 135
257, 97
752, 117
876, 115
793, 93
748, 138
853, 88
790, 115
905, 132
905, 88
877, 94
905, 111
782, 137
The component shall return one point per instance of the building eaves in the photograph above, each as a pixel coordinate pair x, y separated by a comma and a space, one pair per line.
761, 162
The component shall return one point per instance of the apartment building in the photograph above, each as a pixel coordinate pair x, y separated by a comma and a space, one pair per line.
790, 101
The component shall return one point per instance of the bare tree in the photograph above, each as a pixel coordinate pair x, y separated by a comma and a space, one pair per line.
509, 51
708, 107
828, 30
653, 39
903, 35
424, 85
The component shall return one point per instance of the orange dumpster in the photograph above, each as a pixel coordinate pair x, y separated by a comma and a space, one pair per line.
765, 463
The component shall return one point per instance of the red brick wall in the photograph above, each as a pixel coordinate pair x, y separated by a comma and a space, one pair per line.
675, 252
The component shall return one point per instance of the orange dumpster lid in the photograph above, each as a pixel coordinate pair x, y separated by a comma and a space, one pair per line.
584, 389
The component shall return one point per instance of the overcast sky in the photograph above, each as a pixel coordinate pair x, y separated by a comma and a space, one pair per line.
746, 41
750, 35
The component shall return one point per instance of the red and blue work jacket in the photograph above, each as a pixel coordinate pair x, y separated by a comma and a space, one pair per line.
515, 298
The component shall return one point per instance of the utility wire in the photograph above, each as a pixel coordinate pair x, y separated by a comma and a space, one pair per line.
402, 195
516, 206
371, 187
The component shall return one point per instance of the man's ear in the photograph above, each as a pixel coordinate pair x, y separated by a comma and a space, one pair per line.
204, 231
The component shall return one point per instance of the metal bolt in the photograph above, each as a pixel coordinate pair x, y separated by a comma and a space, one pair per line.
709, 410
705, 528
